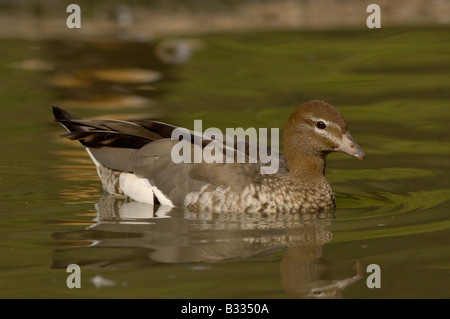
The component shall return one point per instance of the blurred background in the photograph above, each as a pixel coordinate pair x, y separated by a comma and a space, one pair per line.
230, 63
140, 18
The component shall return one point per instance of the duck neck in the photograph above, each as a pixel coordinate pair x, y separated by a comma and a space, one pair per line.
309, 168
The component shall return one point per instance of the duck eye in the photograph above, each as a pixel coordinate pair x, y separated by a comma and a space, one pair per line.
321, 125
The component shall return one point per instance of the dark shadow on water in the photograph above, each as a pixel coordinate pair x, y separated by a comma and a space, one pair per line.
129, 235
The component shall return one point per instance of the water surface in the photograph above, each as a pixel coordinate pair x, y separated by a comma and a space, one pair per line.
392, 210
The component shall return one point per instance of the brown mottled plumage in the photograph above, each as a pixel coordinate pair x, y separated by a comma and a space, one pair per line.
134, 159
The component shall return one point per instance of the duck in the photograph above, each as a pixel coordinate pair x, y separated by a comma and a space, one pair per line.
133, 160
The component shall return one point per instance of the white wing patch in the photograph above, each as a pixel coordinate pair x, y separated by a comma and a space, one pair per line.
97, 164
141, 190
138, 189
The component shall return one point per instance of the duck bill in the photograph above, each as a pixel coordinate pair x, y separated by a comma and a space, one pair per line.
350, 147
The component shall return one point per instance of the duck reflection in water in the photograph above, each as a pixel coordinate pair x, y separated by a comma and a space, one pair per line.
157, 234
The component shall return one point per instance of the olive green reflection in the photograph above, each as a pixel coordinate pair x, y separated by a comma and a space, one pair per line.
128, 234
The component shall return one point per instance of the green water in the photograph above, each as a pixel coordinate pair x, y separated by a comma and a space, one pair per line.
392, 86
